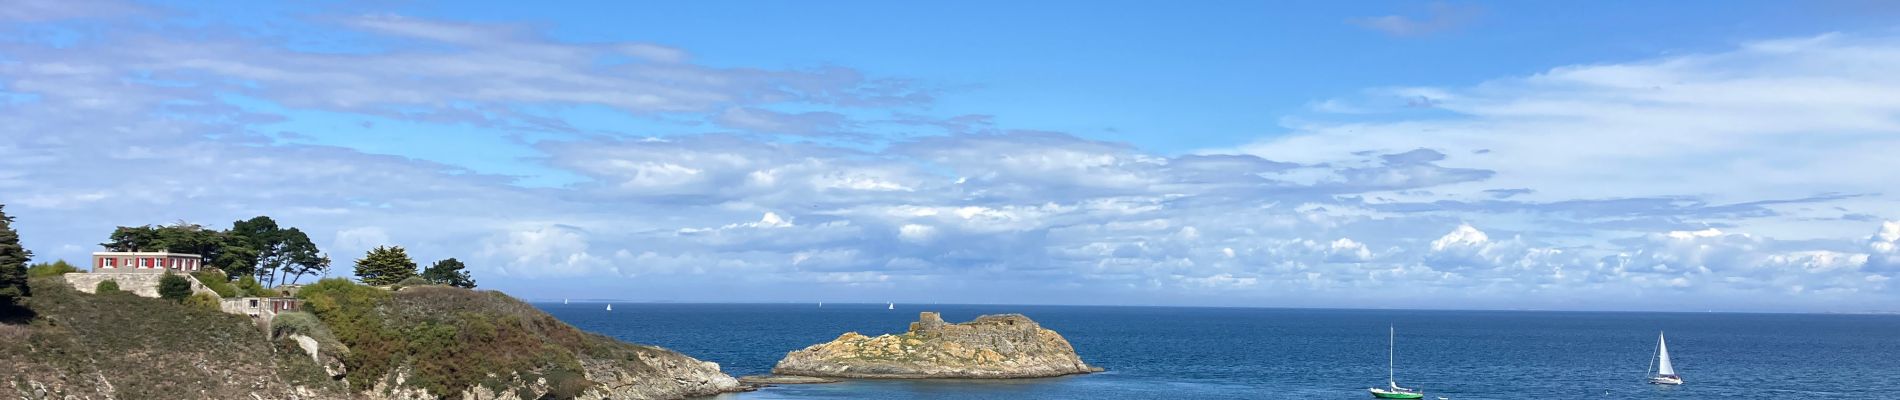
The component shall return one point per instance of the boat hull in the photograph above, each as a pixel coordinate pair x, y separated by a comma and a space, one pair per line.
1662, 380
1386, 394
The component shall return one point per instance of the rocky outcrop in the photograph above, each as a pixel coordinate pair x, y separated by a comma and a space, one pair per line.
682, 377
991, 346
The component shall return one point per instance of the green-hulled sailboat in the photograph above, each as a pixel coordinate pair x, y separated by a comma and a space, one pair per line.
1392, 389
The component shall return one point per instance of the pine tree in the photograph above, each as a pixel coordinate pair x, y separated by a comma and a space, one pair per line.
13, 259
385, 266
449, 272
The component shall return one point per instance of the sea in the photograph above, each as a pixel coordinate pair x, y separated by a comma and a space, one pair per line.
1255, 353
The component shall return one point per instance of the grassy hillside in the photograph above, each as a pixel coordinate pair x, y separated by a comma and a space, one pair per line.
117, 345
419, 342
451, 340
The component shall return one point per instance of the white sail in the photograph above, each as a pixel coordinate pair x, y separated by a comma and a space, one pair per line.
1662, 357
610, 307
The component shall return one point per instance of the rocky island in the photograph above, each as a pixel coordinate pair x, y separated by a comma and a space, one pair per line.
991, 346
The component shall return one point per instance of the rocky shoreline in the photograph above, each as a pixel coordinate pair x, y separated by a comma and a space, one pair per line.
990, 347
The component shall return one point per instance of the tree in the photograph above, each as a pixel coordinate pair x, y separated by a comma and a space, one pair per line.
174, 287
385, 265
274, 254
448, 272
13, 259
256, 246
180, 237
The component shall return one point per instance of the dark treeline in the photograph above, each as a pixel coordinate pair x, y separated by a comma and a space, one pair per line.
257, 246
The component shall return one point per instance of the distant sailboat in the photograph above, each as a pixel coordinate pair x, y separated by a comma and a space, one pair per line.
890, 306
1392, 389
821, 304
1665, 373
610, 307
563, 301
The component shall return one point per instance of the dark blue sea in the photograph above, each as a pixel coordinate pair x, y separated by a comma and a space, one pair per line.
1252, 353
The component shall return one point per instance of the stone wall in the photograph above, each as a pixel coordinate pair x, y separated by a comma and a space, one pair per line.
262, 308
143, 284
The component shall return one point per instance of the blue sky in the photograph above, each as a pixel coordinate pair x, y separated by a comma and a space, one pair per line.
1696, 155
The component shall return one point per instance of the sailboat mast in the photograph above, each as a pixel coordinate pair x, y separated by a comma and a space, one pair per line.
1654, 355
1391, 358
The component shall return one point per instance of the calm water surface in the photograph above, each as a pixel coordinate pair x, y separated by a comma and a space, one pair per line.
1239, 353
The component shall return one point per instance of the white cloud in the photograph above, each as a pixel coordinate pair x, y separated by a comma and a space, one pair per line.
554, 250
1682, 124
1621, 175
916, 233
352, 242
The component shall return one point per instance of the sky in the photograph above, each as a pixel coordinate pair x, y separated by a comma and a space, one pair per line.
1682, 156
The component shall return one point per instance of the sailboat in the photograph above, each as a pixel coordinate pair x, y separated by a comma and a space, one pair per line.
610, 307
563, 301
891, 306
1666, 374
1392, 389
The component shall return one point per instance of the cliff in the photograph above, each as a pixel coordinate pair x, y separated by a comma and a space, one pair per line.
991, 346
419, 343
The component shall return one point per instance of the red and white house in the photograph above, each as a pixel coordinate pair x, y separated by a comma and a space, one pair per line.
153, 262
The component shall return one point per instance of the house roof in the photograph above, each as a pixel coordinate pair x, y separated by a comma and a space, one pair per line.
144, 253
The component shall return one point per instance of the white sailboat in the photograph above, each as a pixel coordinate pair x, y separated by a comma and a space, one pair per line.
563, 301
890, 306
1665, 373
610, 307
1392, 389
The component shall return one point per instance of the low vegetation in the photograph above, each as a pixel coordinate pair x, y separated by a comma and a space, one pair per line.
56, 268
217, 281
450, 339
203, 301
131, 347
106, 286
250, 288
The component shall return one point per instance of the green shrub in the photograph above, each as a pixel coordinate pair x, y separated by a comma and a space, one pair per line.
174, 287
106, 286
217, 282
55, 268
350, 311
249, 286
412, 281
204, 301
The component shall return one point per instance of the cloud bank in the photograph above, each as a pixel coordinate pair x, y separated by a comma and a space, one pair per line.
1696, 180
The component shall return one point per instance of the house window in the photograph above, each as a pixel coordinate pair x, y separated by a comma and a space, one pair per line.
253, 303
145, 262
